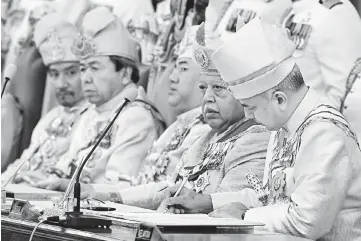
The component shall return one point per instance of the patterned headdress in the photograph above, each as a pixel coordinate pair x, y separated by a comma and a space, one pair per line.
185, 47
54, 36
204, 47
54, 33
103, 34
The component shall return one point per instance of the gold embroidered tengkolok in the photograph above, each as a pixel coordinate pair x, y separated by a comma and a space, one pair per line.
83, 47
57, 50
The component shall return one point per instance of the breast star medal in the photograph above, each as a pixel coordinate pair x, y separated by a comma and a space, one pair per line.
278, 182
202, 182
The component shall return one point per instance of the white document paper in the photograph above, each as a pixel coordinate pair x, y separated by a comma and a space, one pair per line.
167, 219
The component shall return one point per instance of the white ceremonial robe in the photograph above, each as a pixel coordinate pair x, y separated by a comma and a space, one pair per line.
318, 190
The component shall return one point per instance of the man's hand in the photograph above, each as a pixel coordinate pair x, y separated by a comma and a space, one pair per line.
87, 191
232, 210
187, 201
28, 177
59, 184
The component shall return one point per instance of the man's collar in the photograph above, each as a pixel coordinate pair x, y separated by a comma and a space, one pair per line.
307, 104
116, 101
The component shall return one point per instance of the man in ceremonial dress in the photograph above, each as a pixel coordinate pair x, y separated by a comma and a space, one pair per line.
185, 98
328, 35
311, 186
109, 74
225, 13
51, 138
220, 159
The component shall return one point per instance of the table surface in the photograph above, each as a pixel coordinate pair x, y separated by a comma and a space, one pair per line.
20, 230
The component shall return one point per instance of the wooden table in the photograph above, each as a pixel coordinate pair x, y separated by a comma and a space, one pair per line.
19, 230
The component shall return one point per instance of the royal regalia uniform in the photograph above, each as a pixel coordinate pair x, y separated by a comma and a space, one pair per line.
219, 162
166, 152
297, 163
50, 140
311, 185
121, 151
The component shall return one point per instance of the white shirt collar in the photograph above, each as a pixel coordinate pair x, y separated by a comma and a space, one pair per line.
307, 104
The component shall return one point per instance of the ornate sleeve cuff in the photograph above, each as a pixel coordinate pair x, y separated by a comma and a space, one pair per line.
115, 197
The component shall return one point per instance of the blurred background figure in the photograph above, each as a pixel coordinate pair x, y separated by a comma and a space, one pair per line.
328, 36
26, 89
184, 13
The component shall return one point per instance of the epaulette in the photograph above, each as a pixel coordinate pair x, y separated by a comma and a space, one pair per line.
300, 32
244, 14
330, 3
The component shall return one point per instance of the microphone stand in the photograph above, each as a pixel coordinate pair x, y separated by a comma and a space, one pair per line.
23, 162
3, 90
76, 219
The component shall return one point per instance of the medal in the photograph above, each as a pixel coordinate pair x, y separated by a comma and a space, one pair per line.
202, 182
278, 182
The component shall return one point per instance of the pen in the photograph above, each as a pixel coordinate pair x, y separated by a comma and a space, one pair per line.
178, 191
181, 186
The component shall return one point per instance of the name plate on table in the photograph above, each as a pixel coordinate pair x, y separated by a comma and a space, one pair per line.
18, 207
22, 209
149, 232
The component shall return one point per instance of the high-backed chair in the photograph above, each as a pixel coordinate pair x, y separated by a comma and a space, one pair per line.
28, 87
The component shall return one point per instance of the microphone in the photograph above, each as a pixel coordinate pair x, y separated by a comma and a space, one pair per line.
9, 73
76, 219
